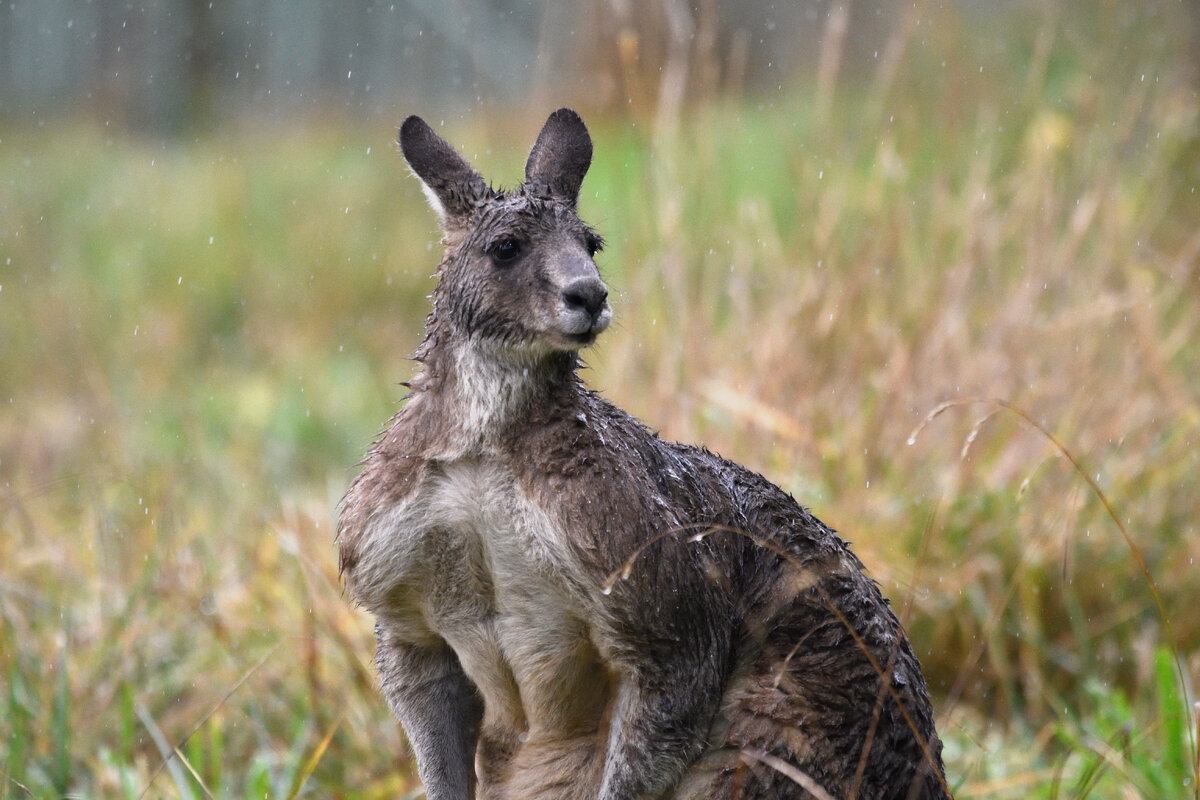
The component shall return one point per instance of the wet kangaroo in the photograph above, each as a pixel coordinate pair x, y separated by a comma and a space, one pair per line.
568, 606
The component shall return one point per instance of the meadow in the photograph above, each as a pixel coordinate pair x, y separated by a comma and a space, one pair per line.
952, 305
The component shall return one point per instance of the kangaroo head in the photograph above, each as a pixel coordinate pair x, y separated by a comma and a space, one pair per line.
518, 270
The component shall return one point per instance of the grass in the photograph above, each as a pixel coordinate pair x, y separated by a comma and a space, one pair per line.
200, 338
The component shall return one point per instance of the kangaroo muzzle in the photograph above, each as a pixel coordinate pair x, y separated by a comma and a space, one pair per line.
585, 310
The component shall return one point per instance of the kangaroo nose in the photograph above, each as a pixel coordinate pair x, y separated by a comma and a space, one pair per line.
588, 294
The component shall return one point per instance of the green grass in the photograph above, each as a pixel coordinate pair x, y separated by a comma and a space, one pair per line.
201, 337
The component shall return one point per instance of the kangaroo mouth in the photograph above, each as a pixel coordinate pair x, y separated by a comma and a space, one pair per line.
583, 339
580, 330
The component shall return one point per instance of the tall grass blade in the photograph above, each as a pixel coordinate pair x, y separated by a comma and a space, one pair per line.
18, 720
170, 755
800, 778
60, 727
169, 752
310, 764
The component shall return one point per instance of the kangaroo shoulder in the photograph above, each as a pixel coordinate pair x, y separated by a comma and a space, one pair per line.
391, 471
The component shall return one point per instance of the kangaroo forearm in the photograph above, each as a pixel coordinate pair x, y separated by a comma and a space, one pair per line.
441, 724
656, 735
439, 710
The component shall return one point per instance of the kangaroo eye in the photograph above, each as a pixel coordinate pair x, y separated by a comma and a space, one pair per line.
504, 250
594, 244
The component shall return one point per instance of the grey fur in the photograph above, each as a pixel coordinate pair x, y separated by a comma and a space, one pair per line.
568, 606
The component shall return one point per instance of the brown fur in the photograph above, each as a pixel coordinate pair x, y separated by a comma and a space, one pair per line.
570, 607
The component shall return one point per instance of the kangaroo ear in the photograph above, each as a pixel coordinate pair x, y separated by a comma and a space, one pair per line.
451, 185
561, 155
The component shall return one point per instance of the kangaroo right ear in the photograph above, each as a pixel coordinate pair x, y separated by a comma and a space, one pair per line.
451, 185
561, 155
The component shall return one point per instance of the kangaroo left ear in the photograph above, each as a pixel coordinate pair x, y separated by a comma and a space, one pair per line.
561, 155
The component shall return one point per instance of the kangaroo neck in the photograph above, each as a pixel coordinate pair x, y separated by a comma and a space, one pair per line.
469, 395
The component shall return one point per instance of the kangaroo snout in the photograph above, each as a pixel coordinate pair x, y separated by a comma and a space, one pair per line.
584, 312
588, 294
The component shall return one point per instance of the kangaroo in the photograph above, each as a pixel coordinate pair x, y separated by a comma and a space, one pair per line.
568, 606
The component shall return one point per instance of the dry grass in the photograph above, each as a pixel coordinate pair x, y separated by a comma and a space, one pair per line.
200, 339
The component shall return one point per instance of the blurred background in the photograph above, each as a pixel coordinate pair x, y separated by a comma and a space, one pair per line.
934, 268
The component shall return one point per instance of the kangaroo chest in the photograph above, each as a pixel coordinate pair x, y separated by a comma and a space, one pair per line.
491, 575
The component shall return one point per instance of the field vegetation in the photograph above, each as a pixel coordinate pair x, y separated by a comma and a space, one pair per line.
952, 304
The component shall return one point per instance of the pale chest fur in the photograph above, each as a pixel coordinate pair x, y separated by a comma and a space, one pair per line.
468, 559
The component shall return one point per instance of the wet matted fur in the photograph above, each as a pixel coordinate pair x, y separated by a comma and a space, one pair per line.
568, 606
